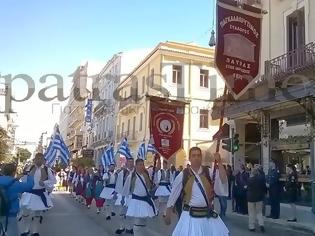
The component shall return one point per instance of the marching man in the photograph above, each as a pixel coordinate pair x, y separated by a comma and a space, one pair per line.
198, 217
141, 206
164, 187
108, 193
38, 199
122, 201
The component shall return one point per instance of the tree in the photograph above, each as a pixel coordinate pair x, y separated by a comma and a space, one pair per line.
23, 154
4, 146
83, 161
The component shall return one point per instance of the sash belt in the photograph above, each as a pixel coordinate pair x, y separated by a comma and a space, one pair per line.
165, 184
146, 199
40, 193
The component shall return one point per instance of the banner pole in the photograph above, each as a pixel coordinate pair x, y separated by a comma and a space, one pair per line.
221, 117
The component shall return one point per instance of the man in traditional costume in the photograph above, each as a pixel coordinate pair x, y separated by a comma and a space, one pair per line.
37, 200
163, 190
122, 201
108, 193
198, 217
141, 205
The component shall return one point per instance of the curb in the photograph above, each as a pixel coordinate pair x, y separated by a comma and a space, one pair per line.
308, 228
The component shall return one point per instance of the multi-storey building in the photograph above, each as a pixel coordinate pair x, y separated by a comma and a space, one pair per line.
72, 120
105, 102
176, 71
275, 119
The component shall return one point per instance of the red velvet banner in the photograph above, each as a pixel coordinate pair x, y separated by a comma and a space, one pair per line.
238, 45
166, 125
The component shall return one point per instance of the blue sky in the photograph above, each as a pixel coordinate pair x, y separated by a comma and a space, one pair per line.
41, 37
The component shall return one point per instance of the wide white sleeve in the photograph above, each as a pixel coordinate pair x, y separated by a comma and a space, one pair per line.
176, 190
158, 177
51, 181
105, 176
126, 188
119, 182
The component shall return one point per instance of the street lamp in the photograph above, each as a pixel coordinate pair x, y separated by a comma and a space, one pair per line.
212, 41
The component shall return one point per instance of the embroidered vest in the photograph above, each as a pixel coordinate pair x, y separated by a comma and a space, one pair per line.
147, 181
188, 181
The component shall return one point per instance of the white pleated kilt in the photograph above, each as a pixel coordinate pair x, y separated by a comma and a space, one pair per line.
162, 191
188, 226
140, 209
119, 198
107, 193
34, 203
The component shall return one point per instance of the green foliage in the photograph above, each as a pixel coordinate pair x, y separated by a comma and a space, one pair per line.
23, 154
83, 161
4, 146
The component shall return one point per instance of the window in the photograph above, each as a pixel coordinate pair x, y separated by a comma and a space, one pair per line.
177, 74
204, 119
125, 94
128, 127
136, 90
296, 29
143, 84
152, 78
122, 128
296, 36
141, 120
204, 78
134, 127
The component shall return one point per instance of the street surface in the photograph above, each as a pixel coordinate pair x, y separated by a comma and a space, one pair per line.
69, 218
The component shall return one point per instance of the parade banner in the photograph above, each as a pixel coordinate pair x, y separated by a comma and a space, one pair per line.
88, 111
238, 45
166, 125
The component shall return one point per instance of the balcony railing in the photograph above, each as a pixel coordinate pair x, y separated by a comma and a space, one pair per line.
127, 101
298, 60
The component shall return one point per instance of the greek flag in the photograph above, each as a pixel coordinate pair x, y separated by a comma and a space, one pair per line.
151, 148
124, 149
57, 149
108, 156
142, 152
104, 160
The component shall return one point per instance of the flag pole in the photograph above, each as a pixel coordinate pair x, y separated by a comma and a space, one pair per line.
221, 117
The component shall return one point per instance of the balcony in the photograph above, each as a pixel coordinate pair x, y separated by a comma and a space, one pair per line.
300, 61
128, 105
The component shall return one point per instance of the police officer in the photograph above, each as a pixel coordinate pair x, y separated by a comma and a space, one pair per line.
274, 188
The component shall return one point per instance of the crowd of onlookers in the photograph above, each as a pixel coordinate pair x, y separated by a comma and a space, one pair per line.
251, 189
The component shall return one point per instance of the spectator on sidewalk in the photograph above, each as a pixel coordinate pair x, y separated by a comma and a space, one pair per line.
241, 182
235, 202
12, 188
229, 174
256, 189
274, 189
291, 187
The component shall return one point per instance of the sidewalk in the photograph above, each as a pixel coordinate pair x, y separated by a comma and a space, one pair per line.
305, 217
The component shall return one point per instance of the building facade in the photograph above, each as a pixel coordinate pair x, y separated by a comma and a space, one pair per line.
275, 118
179, 72
72, 120
105, 101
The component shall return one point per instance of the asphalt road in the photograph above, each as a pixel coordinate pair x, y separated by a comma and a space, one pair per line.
70, 218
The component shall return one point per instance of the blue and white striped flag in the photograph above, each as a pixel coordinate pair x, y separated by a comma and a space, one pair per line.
124, 149
108, 157
104, 160
151, 148
57, 149
142, 152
